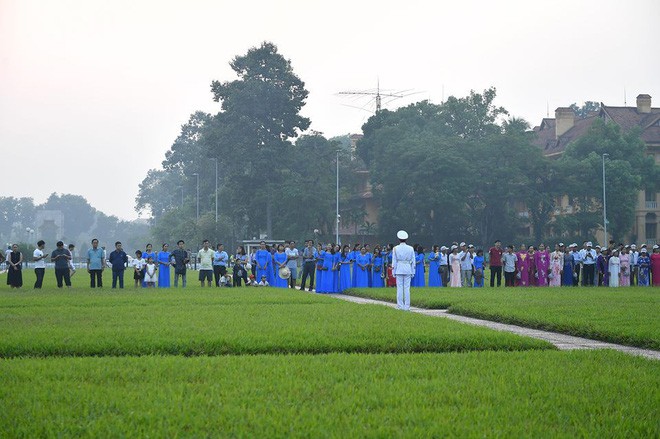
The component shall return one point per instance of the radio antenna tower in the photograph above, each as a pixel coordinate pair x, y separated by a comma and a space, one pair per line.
376, 95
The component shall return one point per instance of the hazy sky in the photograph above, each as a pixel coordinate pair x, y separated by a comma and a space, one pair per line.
92, 93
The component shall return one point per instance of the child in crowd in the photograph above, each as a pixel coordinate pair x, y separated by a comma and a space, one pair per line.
72, 268
150, 273
264, 282
138, 263
229, 282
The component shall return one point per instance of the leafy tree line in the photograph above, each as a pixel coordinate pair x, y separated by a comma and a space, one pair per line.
466, 170
461, 169
81, 222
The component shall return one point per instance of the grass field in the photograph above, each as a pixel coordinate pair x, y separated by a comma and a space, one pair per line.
222, 321
262, 362
524, 394
621, 315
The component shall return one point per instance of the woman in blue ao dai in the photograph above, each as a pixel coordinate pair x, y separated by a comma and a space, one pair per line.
434, 267
335, 273
361, 272
164, 268
377, 280
345, 281
320, 254
418, 280
279, 261
264, 263
327, 278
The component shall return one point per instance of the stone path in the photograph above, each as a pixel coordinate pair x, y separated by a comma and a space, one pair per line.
562, 341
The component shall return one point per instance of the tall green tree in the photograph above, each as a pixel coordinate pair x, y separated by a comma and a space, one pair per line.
628, 169
260, 115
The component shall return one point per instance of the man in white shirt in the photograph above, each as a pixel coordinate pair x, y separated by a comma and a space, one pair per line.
39, 263
205, 258
634, 256
403, 267
467, 256
588, 257
292, 256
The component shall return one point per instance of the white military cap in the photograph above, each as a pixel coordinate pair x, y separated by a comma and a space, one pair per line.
589, 244
462, 244
401, 234
454, 247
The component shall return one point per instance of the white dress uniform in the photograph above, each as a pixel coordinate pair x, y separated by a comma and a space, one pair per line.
403, 267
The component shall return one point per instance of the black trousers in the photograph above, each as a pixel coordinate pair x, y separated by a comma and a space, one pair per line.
218, 272
40, 276
496, 270
237, 278
309, 269
509, 278
96, 278
576, 278
444, 275
62, 276
588, 271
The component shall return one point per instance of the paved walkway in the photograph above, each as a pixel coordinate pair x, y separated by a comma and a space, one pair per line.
562, 341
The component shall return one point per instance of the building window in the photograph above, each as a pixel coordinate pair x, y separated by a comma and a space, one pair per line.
649, 198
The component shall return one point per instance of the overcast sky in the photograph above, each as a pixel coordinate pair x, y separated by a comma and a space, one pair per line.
92, 93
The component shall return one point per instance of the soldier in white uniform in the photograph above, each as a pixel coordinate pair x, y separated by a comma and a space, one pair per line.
403, 267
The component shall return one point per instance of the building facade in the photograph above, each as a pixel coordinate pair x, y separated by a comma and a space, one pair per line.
553, 135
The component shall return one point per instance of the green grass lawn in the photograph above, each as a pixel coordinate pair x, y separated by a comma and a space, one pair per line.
522, 394
266, 362
621, 315
216, 321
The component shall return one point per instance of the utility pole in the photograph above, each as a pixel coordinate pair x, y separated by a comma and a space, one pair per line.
197, 175
604, 202
337, 222
216, 189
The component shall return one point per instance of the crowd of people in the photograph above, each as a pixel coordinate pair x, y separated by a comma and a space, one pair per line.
333, 268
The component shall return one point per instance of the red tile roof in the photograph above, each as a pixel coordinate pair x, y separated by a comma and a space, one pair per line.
626, 117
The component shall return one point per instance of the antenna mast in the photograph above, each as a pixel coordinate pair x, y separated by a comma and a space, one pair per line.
376, 96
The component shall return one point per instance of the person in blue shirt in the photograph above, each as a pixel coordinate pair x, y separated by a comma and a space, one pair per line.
478, 263
95, 264
377, 278
220, 260
118, 258
418, 280
434, 267
164, 263
335, 274
320, 254
345, 281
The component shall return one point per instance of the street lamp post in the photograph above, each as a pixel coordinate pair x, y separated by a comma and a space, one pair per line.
197, 175
604, 202
337, 231
216, 189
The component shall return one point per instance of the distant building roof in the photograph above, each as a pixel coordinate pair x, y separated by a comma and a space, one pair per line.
626, 117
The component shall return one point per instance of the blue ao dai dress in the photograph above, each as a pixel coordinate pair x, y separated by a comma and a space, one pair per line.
418, 280
327, 278
361, 274
434, 270
278, 282
163, 269
376, 280
264, 265
345, 279
319, 271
